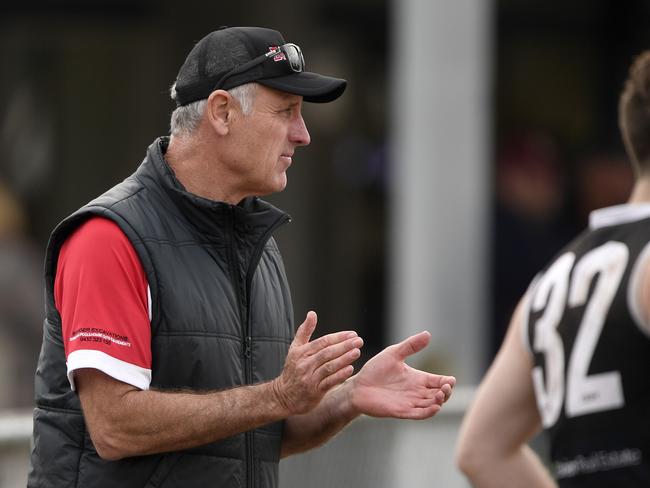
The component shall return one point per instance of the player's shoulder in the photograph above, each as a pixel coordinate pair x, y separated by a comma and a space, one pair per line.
623, 222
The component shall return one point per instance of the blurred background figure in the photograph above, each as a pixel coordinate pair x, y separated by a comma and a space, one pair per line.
26, 138
531, 221
21, 304
603, 178
542, 199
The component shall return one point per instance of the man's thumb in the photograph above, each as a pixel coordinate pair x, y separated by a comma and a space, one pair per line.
306, 329
413, 344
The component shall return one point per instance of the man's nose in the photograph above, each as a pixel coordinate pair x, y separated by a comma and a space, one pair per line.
299, 134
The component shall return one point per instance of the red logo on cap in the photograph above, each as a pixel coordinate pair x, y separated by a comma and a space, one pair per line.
279, 56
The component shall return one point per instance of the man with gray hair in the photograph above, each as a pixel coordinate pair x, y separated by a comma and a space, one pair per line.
169, 356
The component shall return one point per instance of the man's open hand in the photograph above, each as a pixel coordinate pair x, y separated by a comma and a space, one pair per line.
313, 368
387, 387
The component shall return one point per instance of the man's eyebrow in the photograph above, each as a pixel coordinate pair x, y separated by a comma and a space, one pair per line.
285, 94
288, 96
284, 104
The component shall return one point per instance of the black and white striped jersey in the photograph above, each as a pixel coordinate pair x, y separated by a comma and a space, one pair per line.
590, 340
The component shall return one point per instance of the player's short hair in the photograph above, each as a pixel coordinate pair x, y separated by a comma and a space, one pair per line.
634, 113
185, 119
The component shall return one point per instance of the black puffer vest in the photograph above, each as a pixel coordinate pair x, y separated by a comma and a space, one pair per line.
221, 317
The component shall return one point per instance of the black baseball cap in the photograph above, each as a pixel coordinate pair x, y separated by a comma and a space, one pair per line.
233, 56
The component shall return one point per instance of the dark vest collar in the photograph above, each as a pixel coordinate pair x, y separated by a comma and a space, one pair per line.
252, 216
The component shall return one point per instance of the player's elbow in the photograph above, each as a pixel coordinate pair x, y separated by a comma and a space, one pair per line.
471, 458
465, 459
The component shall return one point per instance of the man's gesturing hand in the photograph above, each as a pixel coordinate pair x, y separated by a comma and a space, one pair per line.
387, 387
313, 368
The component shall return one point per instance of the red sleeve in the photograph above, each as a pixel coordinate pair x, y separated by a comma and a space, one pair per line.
102, 295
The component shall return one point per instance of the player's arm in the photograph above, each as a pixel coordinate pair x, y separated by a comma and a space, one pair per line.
492, 449
124, 421
384, 387
640, 292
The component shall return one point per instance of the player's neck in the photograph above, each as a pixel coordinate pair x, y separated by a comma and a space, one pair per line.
641, 191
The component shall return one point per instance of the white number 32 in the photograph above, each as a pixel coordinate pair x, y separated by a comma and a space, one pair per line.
554, 293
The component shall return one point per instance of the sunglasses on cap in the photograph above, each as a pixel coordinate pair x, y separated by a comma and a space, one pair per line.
289, 53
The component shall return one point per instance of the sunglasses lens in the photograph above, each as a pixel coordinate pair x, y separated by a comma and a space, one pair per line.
294, 56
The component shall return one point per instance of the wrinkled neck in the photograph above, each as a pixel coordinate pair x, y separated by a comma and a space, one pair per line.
198, 168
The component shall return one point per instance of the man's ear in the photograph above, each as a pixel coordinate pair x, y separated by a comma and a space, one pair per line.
218, 111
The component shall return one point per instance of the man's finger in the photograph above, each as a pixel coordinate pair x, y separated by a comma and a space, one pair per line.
436, 399
423, 413
329, 340
412, 344
306, 329
336, 350
337, 378
450, 380
331, 367
437, 381
446, 389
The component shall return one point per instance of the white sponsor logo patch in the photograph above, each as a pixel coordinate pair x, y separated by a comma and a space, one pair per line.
91, 334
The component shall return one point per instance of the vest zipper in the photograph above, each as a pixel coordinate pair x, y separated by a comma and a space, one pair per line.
248, 347
250, 471
252, 266
247, 341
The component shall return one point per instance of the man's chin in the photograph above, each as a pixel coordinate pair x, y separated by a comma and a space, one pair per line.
275, 188
281, 184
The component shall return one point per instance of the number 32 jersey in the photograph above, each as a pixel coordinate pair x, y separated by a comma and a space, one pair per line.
590, 343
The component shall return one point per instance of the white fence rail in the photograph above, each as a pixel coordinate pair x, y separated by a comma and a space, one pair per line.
15, 434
